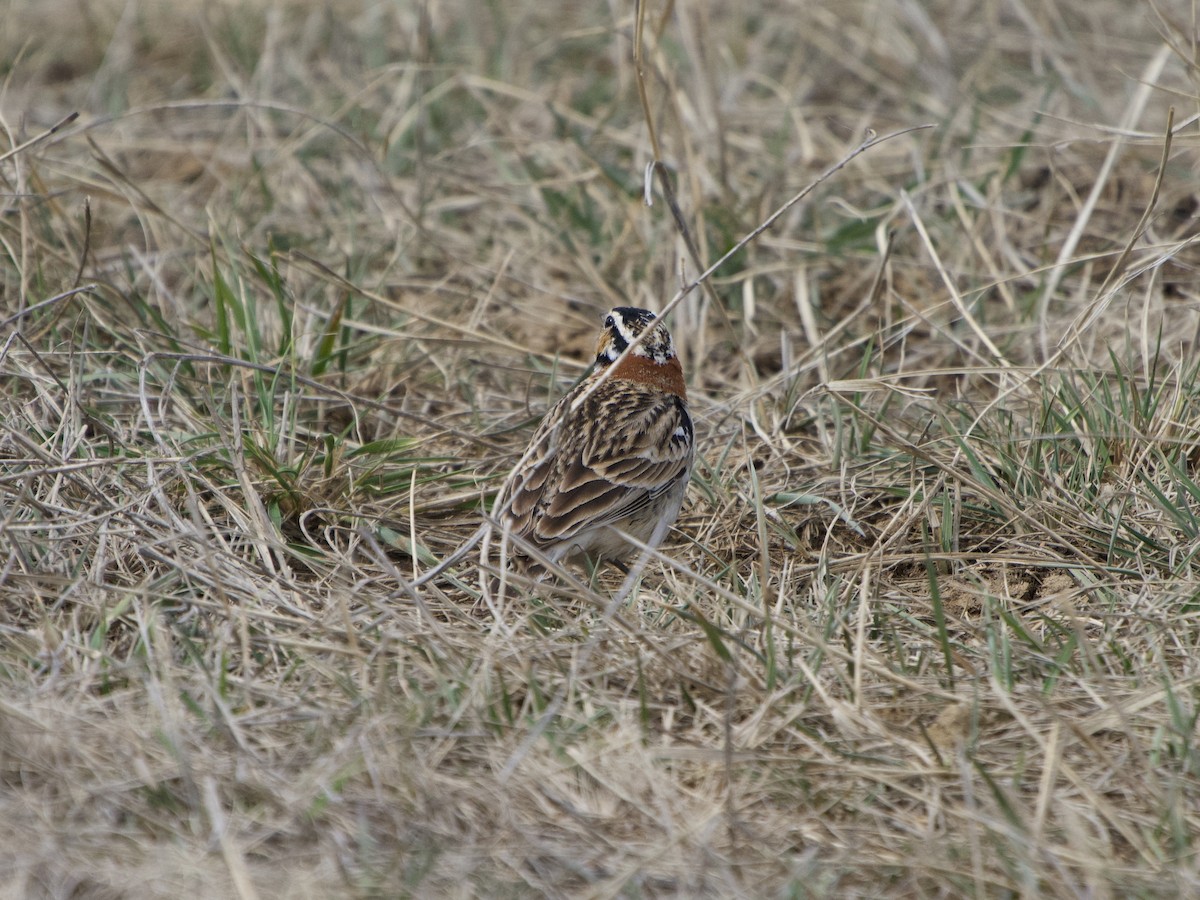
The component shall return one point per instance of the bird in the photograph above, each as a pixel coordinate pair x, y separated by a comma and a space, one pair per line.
613, 455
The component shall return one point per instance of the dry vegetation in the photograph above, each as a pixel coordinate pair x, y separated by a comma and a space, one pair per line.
282, 305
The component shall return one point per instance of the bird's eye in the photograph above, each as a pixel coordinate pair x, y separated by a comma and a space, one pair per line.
609, 322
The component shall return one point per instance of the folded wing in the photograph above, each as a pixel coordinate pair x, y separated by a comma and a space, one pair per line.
589, 476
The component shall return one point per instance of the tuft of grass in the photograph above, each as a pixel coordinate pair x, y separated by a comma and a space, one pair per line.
283, 304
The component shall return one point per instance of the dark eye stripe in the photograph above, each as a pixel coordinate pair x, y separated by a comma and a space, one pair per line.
619, 341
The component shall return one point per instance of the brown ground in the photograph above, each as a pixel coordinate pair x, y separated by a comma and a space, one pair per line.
283, 304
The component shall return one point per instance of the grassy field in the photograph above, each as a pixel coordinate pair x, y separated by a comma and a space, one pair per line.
284, 302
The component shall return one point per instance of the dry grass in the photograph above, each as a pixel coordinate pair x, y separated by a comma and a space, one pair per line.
282, 306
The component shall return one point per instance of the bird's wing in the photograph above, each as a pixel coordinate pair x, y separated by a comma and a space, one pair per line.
624, 447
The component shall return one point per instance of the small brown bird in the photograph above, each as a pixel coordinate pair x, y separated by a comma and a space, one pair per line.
619, 460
